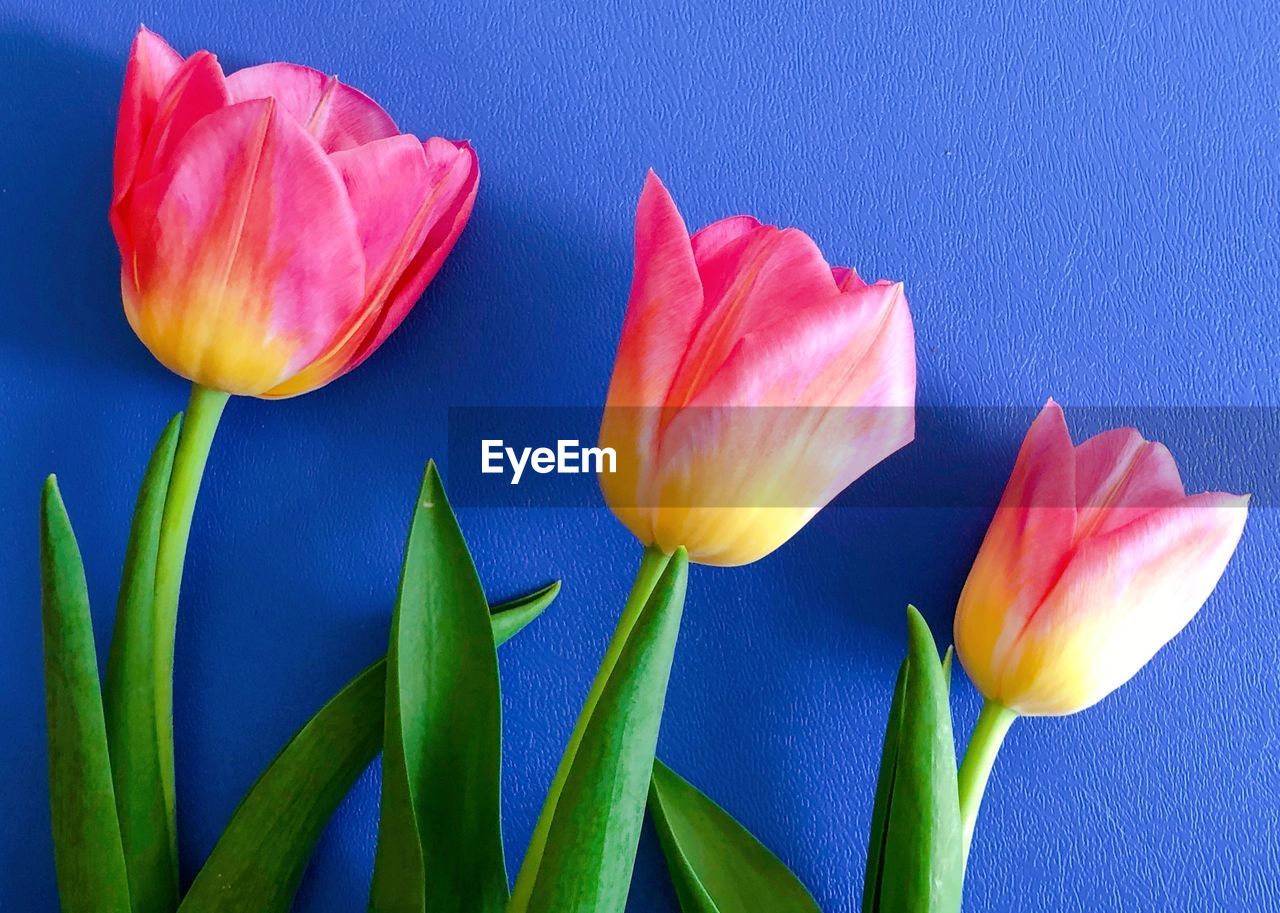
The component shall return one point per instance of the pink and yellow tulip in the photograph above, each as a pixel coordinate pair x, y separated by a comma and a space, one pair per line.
274, 225
1096, 558
753, 383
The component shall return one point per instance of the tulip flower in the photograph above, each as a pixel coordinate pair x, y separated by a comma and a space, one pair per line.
1095, 559
753, 383
274, 226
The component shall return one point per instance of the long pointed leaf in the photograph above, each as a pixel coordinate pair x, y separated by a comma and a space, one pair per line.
873, 882
258, 862
652, 563
440, 830
717, 866
86, 835
922, 869
131, 721
589, 853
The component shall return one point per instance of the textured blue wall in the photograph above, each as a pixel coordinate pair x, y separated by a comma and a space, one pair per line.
1081, 204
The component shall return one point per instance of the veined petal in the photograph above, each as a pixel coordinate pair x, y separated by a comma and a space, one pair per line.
796, 414
794, 417
454, 178
152, 64
1119, 477
197, 90
338, 116
852, 349
731, 484
427, 220
709, 241
662, 313
752, 280
387, 182
1122, 597
666, 299
250, 261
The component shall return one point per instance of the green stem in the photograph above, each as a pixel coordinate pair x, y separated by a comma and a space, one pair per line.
198, 428
652, 564
979, 757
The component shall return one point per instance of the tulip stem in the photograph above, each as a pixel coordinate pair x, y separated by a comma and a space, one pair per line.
979, 757
198, 427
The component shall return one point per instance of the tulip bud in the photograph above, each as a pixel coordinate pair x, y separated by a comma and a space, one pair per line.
1095, 559
274, 226
753, 383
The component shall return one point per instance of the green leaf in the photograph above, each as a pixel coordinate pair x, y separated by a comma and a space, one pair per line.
916, 824
884, 791
594, 822
150, 847
652, 563
440, 829
259, 860
715, 863
86, 835
509, 618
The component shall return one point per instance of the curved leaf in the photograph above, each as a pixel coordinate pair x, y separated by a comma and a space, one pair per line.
509, 618
652, 563
873, 881
594, 829
86, 834
145, 816
440, 828
259, 860
715, 863
919, 866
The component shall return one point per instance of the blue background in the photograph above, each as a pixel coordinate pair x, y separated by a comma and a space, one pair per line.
1082, 204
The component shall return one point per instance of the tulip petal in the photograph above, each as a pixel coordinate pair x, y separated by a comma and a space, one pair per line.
152, 64
253, 264
454, 176
1122, 597
847, 278
709, 241
665, 303
662, 314
1119, 477
338, 116
411, 201
751, 281
855, 349
1025, 550
387, 182
796, 414
197, 90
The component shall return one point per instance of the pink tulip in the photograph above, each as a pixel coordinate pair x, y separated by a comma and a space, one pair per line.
274, 225
1096, 558
753, 383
